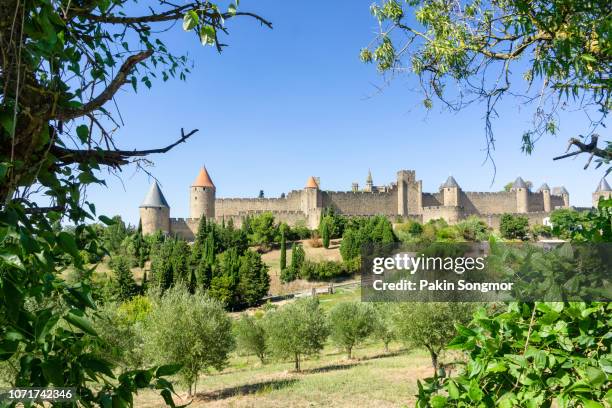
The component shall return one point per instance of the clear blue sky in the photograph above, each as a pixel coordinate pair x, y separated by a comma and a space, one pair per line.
280, 105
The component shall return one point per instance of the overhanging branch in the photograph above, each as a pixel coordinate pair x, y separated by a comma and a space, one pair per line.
113, 158
590, 148
97, 102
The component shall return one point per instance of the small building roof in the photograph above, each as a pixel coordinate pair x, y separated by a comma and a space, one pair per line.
603, 186
155, 198
544, 187
519, 183
311, 183
450, 183
203, 179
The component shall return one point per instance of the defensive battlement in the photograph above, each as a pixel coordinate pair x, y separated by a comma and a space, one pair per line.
363, 193
490, 193
251, 212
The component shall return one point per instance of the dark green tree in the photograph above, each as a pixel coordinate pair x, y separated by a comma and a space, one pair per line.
324, 229
514, 226
125, 286
283, 250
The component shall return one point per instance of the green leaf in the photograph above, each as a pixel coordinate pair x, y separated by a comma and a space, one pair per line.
80, 322
106, 220
45, 321
231, 9
453, 391
97, 365
190, 20
68, 243
207, 35
474, 392
438, 401
83, 133
12, 259
169, 369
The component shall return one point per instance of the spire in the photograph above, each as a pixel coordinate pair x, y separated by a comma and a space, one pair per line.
369, 179
603, 186
519, 183
450, 183
311, 183
203, 179
155, 198
543, 187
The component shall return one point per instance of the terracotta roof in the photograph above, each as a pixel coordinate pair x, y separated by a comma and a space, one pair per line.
603, 186
203, 179
155, 198
311, 183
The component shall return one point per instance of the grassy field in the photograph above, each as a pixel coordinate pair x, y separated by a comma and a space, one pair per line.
372, 379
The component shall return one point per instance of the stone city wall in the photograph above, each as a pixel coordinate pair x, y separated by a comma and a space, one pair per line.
362, 203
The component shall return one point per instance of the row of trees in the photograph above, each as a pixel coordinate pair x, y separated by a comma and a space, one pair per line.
194, 331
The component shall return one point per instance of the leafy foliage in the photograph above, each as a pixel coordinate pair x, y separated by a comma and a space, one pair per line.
430, 325
530, 355
351, 323
251, 336
297, 329
191, 330
561, 47
514, 226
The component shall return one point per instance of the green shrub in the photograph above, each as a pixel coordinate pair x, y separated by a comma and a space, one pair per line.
514, 226
540, 231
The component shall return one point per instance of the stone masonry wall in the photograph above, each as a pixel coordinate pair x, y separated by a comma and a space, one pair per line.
361, 203
488, 203
234, 206
432, 200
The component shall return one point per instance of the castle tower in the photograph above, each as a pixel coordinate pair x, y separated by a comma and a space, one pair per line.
369, 186
564, 193
603, 191
450, 191
202, 196
155, 212
355, 187
522, 195
404, 178
545, 190
311, 202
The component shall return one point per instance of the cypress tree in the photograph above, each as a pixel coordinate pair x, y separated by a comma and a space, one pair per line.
283, 249
325, 232
125, 286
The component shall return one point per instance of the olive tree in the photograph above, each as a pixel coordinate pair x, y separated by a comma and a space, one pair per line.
251, 336
191, 330
430, 325
297, 329
350, 324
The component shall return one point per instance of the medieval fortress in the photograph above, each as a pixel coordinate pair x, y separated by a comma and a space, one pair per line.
399, 200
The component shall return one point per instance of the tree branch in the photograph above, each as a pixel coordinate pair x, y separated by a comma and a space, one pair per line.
590, 148
120, 79
113, 158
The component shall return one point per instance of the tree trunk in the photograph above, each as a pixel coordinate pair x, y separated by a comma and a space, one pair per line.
386, 347
297, 362
349, 352
434, 359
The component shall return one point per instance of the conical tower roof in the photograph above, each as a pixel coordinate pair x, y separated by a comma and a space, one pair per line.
544, 187
155, 198
311, 183
562, 190
450, 183
603, 186
369, 179
203, 179
519, 183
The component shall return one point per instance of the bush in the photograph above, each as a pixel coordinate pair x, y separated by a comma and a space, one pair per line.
351, 323
251, 337
473, 229
191, 330
324, 270
514, 226
540, 231
297, 329
565, 222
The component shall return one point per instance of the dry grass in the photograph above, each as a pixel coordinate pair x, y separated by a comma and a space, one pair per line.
272, 259
372, 379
